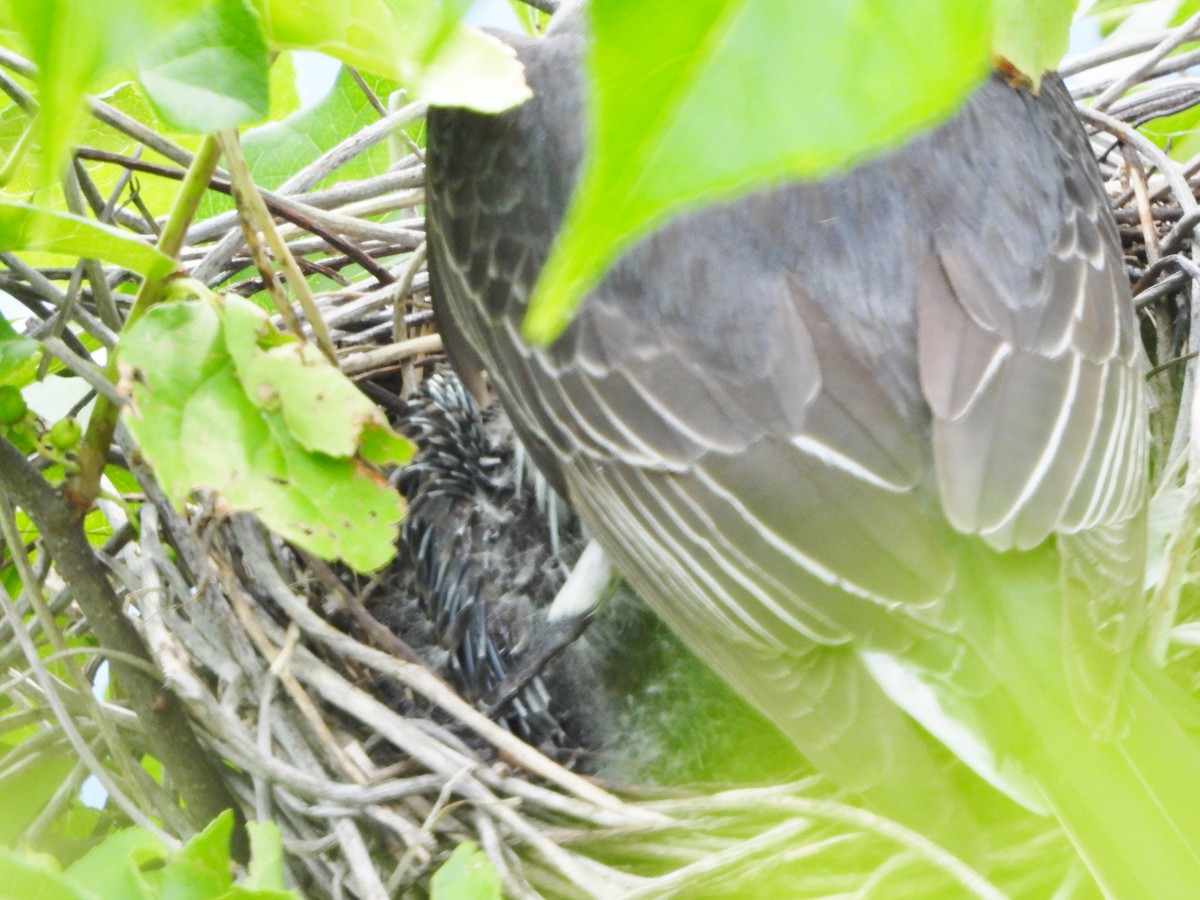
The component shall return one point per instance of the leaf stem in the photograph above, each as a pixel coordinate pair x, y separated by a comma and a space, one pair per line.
256, 217
92, 452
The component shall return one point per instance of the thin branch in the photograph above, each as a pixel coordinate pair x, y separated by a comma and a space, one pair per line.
93, 449
256, 216
168, 730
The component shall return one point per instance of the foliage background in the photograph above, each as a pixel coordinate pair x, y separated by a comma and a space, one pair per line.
114, 118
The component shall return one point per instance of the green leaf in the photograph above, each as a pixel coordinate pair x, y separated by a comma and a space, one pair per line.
1180, 131
76, 42
322, 410
153, 767
470, 68
382, 447
277, 150
416, 42
284, 94
28, 791
466, 875
533, 21
13, 408
1185, 10
113, 869
19, 357
212, 74
1033, 34
202, 869
1111, 14
73, 833
221, 403
36, 877
157, 193
708, 100
25, 227
266, 857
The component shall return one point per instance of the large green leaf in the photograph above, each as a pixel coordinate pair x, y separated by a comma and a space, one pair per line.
224, 402
212, 74
278, 150
74, 44
25, 227
35, 876
114, 868
1033, 34
701, 101
265, 871
132, 864
127, 97
202, 868
27, 792
418, 42
1185, 10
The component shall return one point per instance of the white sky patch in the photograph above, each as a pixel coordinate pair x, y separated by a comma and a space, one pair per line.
92, 793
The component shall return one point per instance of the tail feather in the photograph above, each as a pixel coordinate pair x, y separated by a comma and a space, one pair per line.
829, 705
1129, 795
1131, 805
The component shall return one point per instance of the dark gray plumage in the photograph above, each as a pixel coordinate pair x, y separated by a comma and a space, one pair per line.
485, 546
810, 426
484, 560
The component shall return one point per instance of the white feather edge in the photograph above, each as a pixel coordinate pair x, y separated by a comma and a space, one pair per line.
921, 700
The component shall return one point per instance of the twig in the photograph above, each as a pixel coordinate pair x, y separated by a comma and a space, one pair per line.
257, 217
1174, 40
327, 163
391, 355
308, 218
168, 731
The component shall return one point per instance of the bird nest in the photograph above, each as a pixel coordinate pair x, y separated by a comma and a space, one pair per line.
345, 707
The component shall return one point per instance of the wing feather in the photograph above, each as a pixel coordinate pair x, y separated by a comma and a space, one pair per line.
1029, 352
763, 408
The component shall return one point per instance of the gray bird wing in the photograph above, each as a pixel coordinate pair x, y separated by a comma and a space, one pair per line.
763, 409
1031, 364
662, 443
659, 385
1028, 342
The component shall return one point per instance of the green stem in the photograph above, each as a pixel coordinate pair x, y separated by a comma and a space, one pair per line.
255, 215
174, 233
92, 452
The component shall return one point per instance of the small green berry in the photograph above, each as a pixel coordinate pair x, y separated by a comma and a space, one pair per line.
12, 405
64, 434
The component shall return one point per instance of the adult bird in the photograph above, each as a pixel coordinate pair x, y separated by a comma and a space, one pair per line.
873, 445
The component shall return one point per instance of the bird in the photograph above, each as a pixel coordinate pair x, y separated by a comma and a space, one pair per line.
482, 552
484, 548
874, 445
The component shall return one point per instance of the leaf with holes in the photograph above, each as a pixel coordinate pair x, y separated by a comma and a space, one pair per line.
224, 402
